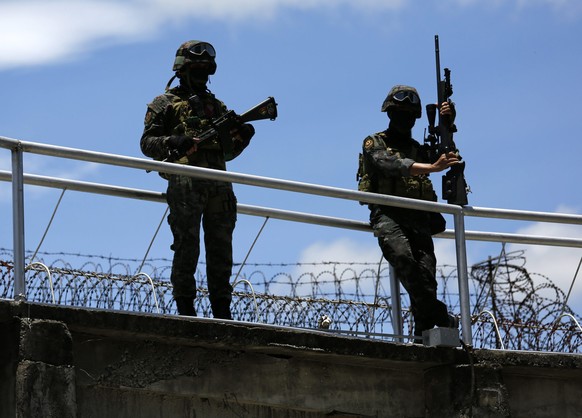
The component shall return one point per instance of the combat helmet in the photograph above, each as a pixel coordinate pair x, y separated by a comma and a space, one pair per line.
195, 52
405, 98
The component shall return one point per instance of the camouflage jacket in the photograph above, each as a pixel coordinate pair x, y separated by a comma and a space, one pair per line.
385, 167
178, 112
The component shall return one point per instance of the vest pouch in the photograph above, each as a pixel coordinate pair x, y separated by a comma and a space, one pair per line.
437, 223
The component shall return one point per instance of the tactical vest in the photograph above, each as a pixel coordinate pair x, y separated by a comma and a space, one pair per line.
414, 187
188, 116
192, 120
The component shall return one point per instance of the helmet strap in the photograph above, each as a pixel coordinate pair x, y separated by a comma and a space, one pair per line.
170, 82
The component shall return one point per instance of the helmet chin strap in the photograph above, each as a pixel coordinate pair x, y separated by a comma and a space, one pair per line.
170, 82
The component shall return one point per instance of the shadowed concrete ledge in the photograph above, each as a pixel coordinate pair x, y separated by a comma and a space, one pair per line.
78, 362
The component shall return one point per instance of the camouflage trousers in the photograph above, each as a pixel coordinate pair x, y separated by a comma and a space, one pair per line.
194, 202
405, 240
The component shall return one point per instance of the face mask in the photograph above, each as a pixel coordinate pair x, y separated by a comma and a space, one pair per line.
402, 120
194, 78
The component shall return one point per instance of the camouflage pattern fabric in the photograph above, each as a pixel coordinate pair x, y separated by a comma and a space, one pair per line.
194, 202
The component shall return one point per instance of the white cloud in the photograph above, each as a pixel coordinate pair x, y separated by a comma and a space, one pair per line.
561, 6
47, 31
557, 263
37, 32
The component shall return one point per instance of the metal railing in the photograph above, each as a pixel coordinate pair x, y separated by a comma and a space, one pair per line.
18, 179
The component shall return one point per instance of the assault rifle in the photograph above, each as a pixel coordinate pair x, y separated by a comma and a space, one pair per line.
222, 126
440, 138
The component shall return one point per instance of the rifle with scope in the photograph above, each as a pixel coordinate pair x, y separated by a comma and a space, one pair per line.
221, 127
440, 138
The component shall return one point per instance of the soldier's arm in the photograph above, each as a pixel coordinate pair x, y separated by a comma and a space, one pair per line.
384, 162
153, 141
444, 162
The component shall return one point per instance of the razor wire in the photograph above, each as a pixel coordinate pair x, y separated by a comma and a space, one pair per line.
525, 309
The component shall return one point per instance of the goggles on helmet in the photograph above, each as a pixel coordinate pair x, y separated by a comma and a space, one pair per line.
401, 96
202, 47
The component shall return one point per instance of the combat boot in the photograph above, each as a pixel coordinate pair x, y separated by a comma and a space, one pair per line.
185, 306
453, 321
450, 321
221, 311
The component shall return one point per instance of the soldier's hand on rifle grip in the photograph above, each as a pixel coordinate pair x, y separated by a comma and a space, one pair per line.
179, 143
445, 161
180, 146
243, 133
448, 112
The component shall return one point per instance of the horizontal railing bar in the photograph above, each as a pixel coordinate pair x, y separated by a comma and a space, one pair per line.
522, 215
153, 196
294, 186
515, 238
84, 186
218, 175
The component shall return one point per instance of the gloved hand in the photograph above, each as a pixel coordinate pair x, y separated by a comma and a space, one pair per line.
243, 133
179, 143
246, 131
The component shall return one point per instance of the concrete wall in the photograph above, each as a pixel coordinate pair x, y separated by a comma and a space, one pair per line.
69, 362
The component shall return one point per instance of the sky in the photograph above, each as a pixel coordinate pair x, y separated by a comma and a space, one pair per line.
79, 73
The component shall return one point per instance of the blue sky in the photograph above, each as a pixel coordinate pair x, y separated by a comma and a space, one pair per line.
80, 73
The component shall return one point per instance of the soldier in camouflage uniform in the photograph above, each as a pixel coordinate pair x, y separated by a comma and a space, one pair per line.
393, 163
172, 123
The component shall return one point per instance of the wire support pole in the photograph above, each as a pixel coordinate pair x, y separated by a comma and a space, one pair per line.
18, 222
249, 251
396, 303
236, 280
152, 286
572, 317
48, 226
486, 312
145, 257
572, 285
50, 279
463, 277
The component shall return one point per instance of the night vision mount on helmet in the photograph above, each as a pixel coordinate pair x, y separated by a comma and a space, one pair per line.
404, 98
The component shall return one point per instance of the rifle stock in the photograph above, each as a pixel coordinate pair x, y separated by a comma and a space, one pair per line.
267, 109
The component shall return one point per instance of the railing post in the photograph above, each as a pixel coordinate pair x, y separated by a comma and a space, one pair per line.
18, 222
396, 304
463, 277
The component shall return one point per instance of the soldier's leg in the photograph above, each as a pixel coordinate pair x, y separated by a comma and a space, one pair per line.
218, 222
184, 219
395, 243
423, 250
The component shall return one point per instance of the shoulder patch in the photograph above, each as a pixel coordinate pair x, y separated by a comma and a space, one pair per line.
368, 143
160, 103
149, 116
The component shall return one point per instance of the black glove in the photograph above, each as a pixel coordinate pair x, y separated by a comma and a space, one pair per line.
179, 144
246, 131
